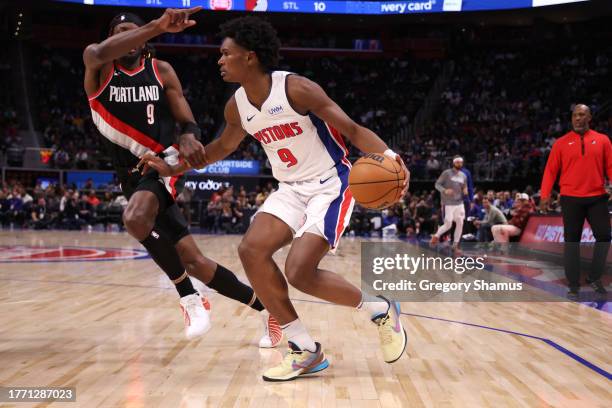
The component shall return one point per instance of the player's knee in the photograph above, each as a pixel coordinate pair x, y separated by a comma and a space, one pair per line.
300, 275
247, 251
250, 251
137, 222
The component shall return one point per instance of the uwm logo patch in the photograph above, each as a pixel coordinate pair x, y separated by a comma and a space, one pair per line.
21, 253
275, 110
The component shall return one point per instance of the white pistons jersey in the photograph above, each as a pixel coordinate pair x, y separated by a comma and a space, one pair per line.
299, 147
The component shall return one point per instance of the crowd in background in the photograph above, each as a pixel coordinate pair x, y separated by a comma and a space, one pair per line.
503, 109
230, 210
57, 207
363, 90
500, 107
497, 109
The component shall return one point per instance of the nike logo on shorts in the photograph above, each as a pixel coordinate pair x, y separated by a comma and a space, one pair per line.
323, 181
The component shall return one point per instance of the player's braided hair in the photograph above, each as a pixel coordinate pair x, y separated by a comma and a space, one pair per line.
148, 50
257, 35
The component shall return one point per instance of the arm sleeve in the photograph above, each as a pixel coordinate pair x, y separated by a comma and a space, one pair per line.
440, 182
550, 172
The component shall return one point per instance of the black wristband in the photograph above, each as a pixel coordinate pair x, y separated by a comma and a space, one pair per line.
190, 127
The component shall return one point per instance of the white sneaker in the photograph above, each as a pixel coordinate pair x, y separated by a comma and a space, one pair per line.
195, 310
273, 333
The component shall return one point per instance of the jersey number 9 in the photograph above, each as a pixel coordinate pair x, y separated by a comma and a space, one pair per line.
287, 157
150, 114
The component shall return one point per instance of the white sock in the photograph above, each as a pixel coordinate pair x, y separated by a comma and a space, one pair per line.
297, 334
375, 306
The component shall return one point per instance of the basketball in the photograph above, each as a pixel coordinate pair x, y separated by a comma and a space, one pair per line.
376, 181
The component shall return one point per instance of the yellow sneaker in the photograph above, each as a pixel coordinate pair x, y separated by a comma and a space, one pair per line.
297, 363
392, 335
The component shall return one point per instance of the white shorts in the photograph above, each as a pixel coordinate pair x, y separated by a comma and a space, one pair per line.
322, 206
454, 212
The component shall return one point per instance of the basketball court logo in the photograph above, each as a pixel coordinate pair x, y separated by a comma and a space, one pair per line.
23, 253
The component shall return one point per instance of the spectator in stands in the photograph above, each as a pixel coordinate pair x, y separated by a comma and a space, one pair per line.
493, 216
85, 210
70, 211
61, 158
389, 217
82, 159
26, 198
184, 202
227, 220
506, 203
16, 210
433, 167
261, 197
39, 216
92, 199
426, 219
516, 225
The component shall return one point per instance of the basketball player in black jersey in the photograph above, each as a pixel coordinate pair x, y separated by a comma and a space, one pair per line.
135, 102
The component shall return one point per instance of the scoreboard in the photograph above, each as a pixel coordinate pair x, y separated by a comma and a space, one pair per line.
335, 7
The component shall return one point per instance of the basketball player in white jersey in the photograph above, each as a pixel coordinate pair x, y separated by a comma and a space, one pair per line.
300, 129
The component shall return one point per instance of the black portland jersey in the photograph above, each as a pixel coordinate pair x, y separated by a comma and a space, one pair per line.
132, 112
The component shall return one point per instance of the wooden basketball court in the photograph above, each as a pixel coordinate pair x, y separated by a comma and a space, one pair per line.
113, 330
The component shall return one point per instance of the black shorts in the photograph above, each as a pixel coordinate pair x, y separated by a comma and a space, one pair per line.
170, 222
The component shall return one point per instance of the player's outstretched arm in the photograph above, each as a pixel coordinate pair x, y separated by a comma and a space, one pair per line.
172, 21
230, 138
307, 96
217, 150
190, 147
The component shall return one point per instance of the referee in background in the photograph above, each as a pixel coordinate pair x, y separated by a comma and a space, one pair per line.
584, 158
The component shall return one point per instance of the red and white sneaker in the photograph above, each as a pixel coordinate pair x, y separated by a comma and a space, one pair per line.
273, 334
196, 311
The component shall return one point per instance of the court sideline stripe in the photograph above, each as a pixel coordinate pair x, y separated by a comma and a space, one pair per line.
551, 343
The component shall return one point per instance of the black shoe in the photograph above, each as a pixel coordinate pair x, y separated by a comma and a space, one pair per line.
597, 286
573, 294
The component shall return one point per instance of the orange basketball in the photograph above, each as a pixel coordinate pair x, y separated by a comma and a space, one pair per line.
376, 181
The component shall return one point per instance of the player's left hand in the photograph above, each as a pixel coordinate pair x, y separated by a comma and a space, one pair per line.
192, 151
407, 179
151, 161
176, 20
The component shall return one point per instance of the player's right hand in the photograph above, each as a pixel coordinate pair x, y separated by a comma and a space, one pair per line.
177, 20
406, 179
448, 191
